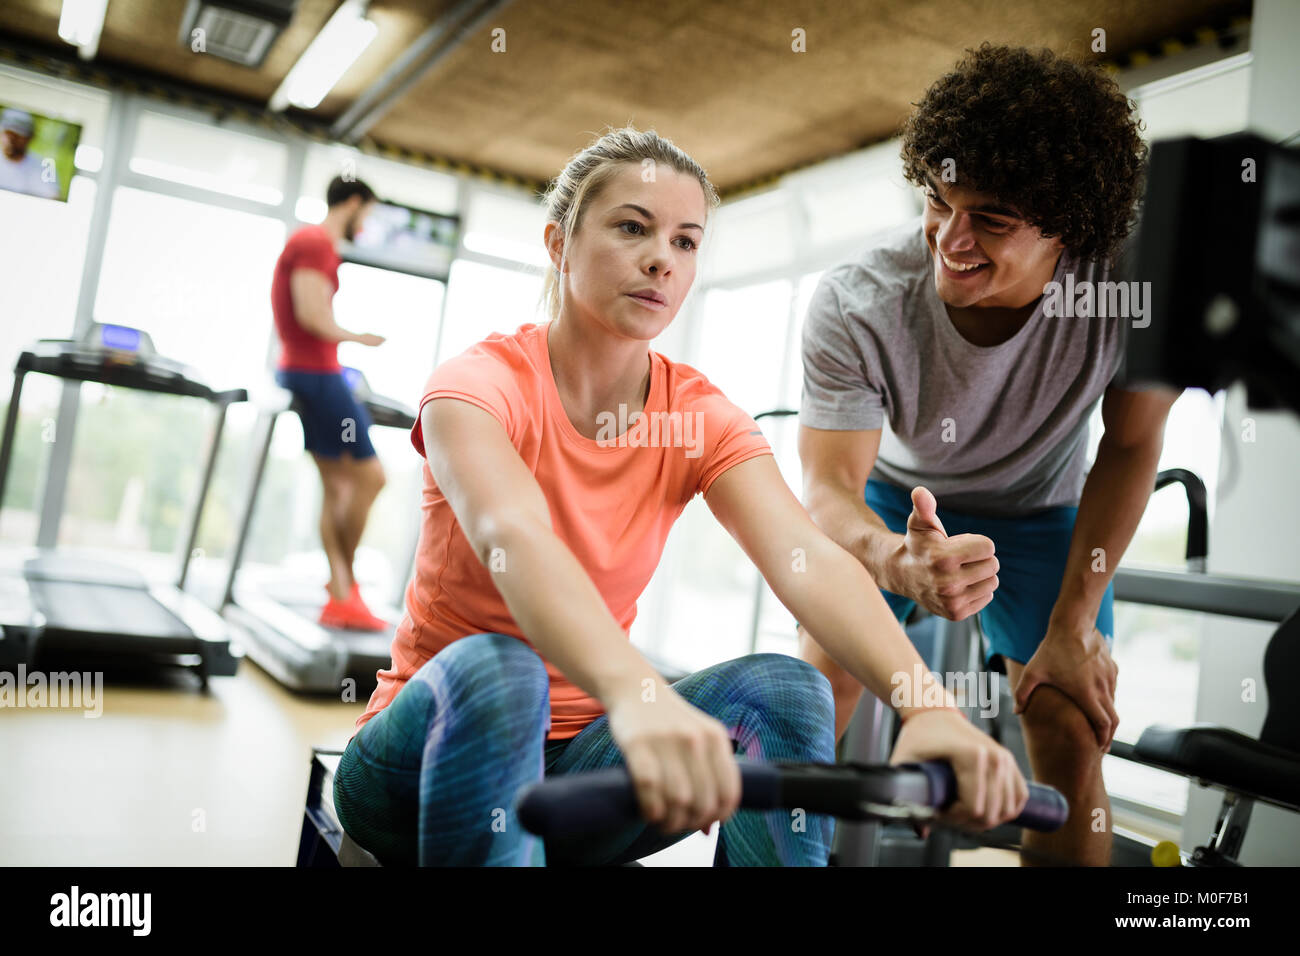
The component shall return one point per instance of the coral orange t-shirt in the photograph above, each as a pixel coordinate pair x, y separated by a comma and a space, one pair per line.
612, 499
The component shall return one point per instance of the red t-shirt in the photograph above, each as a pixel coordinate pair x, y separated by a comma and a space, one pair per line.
309, 248
611, 501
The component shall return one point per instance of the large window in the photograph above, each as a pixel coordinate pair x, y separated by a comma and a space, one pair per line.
405, 310
196, 277
775, 624
750, 235
742, 342
1157, 648
703, 594
200, 154
482, 299
508, 227
847, 199
43, 247
47, 253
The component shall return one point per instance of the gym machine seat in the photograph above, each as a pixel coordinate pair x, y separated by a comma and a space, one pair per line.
323, 844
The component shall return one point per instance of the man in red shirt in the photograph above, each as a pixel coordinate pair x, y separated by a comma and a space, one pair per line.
335, 425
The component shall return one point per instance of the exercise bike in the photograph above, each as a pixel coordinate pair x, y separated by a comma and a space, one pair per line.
602, 800
584, 803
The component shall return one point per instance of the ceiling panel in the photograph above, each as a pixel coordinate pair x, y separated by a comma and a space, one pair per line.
718, 78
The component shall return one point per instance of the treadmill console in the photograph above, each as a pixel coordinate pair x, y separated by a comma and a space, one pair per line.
356, 382
105, 344
383, 410
121, 340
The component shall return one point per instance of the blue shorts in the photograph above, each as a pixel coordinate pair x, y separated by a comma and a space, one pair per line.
1031, 550
334, 423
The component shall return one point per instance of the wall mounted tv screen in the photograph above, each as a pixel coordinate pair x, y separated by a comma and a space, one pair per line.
406, 240
36, 152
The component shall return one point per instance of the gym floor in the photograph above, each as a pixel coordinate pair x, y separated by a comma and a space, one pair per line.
167, 776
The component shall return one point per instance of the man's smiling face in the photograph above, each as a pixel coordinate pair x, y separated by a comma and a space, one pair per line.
985, 255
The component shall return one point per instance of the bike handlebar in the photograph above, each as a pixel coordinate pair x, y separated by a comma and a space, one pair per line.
606, 799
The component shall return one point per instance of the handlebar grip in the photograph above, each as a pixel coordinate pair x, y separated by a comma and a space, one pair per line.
1046, 809
606, 799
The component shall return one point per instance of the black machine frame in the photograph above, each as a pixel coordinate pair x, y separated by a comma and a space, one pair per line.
38, 616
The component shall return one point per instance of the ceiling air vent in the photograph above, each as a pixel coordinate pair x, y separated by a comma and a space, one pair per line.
241, 31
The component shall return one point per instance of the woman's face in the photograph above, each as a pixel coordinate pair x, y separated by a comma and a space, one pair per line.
632, 258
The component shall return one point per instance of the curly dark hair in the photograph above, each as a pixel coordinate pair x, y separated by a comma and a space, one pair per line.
1055, 140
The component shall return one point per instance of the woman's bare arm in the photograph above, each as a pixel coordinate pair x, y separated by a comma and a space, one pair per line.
679, 757
832, 594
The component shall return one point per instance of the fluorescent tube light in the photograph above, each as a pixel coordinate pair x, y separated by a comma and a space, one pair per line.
80, 24
331, 54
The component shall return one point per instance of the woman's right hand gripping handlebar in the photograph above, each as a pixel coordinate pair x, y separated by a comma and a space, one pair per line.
680, 759
990, 787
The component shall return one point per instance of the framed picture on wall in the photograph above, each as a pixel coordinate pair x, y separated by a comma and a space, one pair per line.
36, 152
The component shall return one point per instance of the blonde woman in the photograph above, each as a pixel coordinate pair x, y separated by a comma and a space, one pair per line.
541, 527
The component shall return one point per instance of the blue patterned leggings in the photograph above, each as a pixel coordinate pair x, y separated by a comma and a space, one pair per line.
432, 778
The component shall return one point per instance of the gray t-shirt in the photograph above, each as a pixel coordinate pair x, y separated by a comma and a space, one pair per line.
992, 431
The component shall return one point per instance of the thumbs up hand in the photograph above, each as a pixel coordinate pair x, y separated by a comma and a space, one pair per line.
924, 518
952, 577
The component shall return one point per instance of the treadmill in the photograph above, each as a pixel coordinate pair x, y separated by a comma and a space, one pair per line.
277, 614
70, 608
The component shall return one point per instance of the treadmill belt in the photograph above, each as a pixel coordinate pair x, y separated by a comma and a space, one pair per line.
376, 644
104, 609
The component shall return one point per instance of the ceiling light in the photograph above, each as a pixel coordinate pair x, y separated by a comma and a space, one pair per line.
81, 23
330, 55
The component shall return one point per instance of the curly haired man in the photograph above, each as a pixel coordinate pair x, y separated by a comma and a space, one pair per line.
977, 497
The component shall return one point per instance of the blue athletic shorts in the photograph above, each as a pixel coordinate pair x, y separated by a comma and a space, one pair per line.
1031, 551
334, 423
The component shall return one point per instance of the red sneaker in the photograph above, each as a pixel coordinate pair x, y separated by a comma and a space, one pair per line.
362, 612
347, 616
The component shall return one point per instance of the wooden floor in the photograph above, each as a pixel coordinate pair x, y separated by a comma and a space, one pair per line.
165, 776
170, 776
